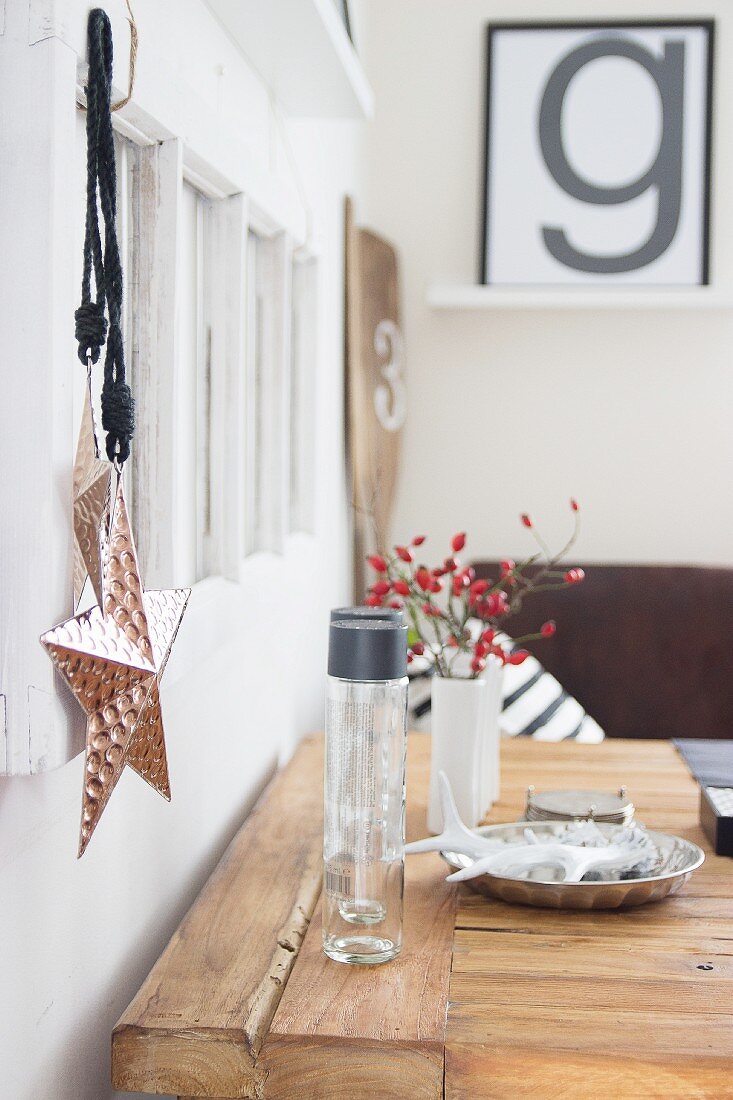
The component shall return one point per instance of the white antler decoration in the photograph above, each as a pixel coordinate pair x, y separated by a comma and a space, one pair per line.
516, 860
456, 837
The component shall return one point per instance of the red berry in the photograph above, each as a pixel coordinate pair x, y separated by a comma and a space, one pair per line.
403, 553
478, 664
526, 520
424, 578
436, 586
395, 604
548, 629
439, 572
479, 587
574, 504
507, 566
418, 540
458, 542
418, 649
431, 610
409, 657
574, 576
402, 588
480, 649
377, 562
450, 565
517, 658
373, 601
488, 636
452, 642
381, 588
495, 604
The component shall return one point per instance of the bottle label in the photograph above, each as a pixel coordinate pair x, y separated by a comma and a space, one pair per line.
350, 780
338, 879
350, 791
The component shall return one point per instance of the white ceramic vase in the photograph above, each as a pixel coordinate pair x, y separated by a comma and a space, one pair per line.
464, 721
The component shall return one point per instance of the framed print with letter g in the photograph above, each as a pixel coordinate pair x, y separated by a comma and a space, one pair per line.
597, 166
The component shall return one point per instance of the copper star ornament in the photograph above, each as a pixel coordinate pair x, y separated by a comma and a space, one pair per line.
91, 499
112, 658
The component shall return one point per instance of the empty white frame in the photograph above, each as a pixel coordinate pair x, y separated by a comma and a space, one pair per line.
193, 384
302, 393
267, 494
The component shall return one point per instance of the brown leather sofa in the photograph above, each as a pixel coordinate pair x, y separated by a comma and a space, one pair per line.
646, 649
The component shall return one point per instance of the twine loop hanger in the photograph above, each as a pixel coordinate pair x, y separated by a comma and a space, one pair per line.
93, 327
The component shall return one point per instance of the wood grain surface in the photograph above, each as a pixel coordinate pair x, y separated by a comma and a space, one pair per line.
197, 1023
486, 1000
351, 1031
584, 1004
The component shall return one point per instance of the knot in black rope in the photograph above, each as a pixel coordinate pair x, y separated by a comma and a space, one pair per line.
91, 330
118, 420
91, 326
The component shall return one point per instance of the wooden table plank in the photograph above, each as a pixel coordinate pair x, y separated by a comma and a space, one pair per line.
681, 915
367, 1030
197, 1023
592, 956
599, 1031
476, 1072
592, 971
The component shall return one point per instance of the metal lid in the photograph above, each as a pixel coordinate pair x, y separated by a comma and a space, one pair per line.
367, 649
572, 805
380, 614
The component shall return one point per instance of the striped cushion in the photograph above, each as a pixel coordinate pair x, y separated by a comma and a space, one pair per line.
418, 705
534, 705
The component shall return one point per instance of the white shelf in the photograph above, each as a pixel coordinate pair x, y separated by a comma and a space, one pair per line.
453, 296
301, 50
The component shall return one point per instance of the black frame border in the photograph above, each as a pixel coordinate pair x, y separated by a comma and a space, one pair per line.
594, 25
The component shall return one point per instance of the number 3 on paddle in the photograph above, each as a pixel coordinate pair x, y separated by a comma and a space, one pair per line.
390, 396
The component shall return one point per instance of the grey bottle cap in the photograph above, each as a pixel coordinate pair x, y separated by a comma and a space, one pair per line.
367, 649
381, 614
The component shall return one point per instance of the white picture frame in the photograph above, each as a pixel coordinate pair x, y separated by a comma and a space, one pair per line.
597, 153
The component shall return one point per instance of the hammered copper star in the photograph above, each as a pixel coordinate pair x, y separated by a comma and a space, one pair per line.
112, 658
91, 491
147, 755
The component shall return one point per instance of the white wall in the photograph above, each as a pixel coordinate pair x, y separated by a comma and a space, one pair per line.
78, 937
512, 411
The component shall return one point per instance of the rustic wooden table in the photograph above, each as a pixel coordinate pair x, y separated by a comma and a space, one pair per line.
486, 1000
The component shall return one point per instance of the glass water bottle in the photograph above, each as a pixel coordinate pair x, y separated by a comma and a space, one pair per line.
364, 791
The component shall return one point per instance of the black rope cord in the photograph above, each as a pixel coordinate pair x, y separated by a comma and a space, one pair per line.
118, 411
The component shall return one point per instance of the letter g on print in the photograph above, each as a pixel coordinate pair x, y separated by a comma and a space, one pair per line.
598, 153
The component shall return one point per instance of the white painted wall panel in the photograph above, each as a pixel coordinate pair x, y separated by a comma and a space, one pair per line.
245, 680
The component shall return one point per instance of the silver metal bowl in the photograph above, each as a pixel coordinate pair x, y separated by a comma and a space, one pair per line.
678, 859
